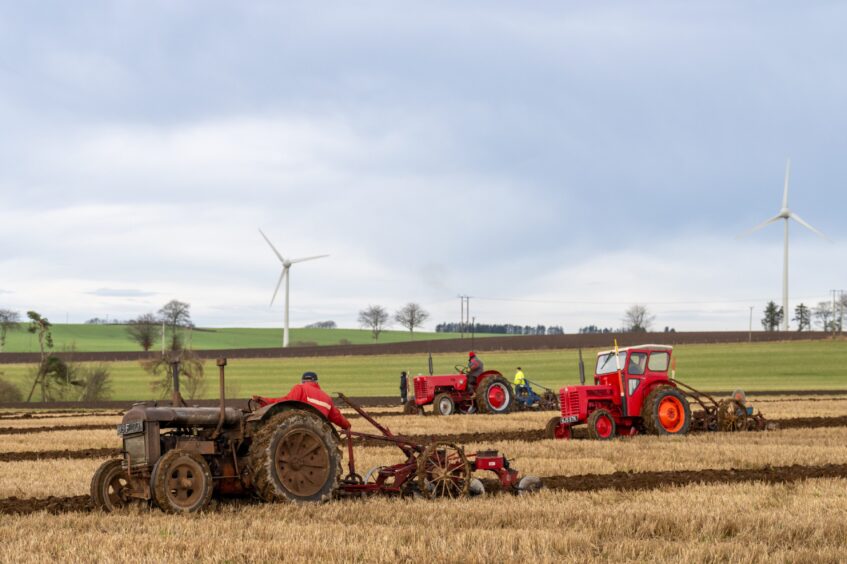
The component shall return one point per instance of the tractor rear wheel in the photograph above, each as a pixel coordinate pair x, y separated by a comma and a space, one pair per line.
494, 395
601, 425
443, 404
181, 482
666, 412
109, 485
295, 456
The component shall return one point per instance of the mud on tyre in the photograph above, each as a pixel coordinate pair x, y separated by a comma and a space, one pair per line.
295, 456
665, 411
494, 395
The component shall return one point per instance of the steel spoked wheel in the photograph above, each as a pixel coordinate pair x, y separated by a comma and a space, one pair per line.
110, 486
182, 482
732, 416
444, 471
601, 425
302, 462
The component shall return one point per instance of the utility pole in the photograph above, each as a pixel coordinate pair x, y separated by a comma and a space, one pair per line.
462, 316
473, 333
750, 330
163, 336
833, 314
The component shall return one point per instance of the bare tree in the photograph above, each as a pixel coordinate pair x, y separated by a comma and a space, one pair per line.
143, 330
637, 319
192, 380
411, 316
176, 315
9, 321
824, 316
374, 317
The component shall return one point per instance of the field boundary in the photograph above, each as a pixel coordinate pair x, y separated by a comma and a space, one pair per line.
506, 343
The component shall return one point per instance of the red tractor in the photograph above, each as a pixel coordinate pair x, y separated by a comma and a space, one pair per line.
449, 394
632, 394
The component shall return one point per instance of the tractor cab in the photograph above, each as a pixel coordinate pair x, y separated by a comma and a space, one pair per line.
639, 367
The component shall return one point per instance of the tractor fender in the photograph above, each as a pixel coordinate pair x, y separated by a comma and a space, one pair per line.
265, 413
486, 374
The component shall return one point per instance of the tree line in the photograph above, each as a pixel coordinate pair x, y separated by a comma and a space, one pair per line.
826, 316
500, 329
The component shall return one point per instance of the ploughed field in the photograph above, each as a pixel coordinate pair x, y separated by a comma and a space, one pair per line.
777, 495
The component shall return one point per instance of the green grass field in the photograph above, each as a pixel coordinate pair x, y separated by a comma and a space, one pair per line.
100, 338
802, 365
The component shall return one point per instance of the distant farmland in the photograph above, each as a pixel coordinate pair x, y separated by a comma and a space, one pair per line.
109, 338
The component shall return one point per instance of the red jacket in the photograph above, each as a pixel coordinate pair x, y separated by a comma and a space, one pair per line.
311, 394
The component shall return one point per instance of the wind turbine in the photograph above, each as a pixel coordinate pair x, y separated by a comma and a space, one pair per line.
785, 214
286, 265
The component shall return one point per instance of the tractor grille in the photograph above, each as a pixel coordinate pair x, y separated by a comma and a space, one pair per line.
421, 388
570, 402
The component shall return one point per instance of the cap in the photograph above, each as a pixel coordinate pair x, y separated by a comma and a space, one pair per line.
309, 377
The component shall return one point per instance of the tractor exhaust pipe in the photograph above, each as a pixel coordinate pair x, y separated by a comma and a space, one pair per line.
221, 365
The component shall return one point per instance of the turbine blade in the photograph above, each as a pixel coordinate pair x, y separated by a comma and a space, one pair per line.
279, 256
785, 191
764, 223
278, 284
307, 258
802, 222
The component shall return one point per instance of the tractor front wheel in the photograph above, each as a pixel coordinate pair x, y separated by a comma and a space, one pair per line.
555, 429
666, 412
109, 486
601, 425
443, 405
181, 482
494, 395
444, 471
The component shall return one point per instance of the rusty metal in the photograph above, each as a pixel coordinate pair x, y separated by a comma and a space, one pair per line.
728, 415
221, 362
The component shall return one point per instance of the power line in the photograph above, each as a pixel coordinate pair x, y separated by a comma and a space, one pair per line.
646, 302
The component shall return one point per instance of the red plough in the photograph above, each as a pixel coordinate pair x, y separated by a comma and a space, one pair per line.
433, 470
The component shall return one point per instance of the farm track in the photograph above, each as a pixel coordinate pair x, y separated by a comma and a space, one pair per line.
621, 481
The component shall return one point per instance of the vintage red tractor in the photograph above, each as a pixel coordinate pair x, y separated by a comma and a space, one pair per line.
632, 393
449, 394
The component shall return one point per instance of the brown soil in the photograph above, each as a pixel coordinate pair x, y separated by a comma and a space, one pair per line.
57, 415
511, 343
658, 480
624, 481
811, 422
30, 430
53, 454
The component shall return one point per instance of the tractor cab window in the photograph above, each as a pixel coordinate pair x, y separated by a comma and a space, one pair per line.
637, 363
658, 361
606, 363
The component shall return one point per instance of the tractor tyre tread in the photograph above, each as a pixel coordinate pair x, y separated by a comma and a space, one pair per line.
482, 395
592, 424
260, 457
96, 489
650, 410
436, 404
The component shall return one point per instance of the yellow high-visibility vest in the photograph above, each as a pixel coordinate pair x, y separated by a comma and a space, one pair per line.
520, 380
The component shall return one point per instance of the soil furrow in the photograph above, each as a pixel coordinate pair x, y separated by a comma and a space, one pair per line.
60, 454
623, 481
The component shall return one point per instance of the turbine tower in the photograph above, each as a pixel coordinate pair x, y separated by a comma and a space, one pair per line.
286, 265
785, 214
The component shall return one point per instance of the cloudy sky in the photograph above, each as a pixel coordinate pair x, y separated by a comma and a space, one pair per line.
556, 161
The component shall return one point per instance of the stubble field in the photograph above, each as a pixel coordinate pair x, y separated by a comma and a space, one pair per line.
774, 496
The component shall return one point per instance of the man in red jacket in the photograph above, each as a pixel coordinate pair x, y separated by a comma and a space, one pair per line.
309, 392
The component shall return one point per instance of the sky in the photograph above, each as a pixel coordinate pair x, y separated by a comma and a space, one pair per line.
556, 161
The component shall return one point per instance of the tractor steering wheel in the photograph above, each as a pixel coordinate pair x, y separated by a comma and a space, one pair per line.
461, 369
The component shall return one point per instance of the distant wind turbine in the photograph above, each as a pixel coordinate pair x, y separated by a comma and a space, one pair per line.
286, 265
785, 214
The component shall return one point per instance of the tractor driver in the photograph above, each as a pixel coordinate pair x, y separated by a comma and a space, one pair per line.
474, 369
309, 392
